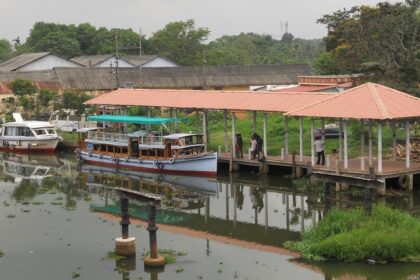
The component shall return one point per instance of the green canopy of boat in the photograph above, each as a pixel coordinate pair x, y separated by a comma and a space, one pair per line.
133, 119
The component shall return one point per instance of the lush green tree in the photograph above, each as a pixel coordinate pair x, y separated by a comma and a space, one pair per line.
383, 41
181, 42
5, 50
21, 87
73, 100
58, 43
45, 97
85, 34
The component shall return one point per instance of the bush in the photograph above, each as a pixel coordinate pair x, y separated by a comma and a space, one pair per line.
387, 235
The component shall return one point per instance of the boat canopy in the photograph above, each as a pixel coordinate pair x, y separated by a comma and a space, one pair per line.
133, 119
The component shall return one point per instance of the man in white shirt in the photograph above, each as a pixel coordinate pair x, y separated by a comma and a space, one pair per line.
319, 149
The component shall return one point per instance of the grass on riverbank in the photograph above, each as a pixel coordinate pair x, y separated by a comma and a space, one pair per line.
349, 235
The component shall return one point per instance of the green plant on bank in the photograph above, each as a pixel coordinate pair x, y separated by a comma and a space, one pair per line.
351, 236
1, 253
169, 255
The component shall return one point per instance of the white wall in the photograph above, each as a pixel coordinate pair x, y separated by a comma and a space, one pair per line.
48, 62
113, 60
159, 62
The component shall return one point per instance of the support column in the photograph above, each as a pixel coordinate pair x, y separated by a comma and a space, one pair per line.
176, 123
226, 131
346, 159
148, 115
233, 136
197, 122
340, 141
265, 134
379, 147
171, 127
300, 138
286, 135
254, 121
394, 141
312, 142
323, 130
205, 136
370, 143
362, 145
407, 144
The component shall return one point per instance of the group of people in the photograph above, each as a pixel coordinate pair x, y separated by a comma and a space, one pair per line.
256, 146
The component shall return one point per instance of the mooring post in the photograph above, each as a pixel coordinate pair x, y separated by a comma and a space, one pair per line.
125, 245
154, 259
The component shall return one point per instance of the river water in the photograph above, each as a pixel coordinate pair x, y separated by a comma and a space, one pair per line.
59, 219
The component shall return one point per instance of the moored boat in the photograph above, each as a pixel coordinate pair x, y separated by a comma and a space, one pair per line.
28, 136
180, 153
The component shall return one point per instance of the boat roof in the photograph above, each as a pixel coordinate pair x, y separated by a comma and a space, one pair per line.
30, 124
180, 135
86, 129
132, 119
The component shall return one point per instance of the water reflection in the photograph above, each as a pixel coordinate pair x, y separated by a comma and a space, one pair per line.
245, 207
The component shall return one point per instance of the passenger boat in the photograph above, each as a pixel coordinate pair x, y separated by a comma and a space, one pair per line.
182, 153
28, 136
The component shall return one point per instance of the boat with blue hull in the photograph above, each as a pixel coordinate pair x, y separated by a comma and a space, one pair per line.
179, 153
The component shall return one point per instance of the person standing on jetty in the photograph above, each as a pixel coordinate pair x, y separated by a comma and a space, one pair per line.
319, 149
253, 147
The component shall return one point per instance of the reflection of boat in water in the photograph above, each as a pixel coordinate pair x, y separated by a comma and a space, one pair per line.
201, 185
29, 166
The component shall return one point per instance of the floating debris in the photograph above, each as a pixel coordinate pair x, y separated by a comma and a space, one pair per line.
11, 216
179, 269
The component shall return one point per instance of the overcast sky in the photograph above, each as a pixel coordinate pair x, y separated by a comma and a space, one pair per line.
222, 17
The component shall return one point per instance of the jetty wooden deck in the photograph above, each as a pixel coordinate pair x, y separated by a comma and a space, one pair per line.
390, 168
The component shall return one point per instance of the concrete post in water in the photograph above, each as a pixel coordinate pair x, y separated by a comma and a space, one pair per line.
125, 245
154, 259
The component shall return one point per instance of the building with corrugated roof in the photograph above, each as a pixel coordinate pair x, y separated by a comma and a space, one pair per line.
110, 60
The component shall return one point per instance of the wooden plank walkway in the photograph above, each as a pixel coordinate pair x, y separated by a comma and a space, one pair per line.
390, 168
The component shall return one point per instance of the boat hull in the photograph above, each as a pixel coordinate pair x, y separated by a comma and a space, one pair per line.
29, 145
201, 165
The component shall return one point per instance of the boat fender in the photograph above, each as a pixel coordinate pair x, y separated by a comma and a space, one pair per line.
155, 162
100, 156
125, 159
403, 181
171, 160
139, 160
76, 151
89, 153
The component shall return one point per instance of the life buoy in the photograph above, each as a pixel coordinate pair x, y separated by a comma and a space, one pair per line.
76, 151
89, 153
125, 159
78, 157
139, 160
171, 160
403, 181
155, 162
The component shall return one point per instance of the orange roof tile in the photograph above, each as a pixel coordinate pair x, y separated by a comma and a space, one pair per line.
367, 101
215, 100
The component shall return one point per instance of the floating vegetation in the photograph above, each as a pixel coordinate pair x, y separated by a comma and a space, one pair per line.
59, 198
37, 202
25, 210
70, 208
56, 203
113, 255
179, 269
11, 216
25, 203
6, 204
87, 198
75, 274
169, 255
351, 236
1, 253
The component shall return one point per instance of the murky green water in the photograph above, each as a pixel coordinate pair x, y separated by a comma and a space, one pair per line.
52, 224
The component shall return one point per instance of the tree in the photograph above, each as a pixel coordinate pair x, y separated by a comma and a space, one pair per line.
22, 87
58, 43
45, 96
382, 40
5, 50
72, 100
181, 42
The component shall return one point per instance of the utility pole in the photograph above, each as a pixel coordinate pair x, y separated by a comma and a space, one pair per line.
116, 60
140, 76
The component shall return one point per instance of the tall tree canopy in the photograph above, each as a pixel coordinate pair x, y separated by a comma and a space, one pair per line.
382, 40
5, 50
180, 41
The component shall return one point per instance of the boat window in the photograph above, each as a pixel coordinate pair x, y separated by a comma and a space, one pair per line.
28, 132
110, 149
10, 131
40, 131
51, 131
103, 148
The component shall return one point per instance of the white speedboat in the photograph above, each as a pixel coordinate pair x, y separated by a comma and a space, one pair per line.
182, 153
28, 136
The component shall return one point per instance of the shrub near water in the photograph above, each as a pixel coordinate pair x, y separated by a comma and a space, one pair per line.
387, 235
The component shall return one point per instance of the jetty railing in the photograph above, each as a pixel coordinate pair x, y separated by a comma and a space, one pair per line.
109, 137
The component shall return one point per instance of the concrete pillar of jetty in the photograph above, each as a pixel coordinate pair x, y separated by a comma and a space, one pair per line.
125, 246
286, 135
394, 141
300, 138
346, 157
340, 141
205, 136
225, 115
370, 135
265, 134
233, 136
379, 147
312, 142
254, 122
407, 144
362, 145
